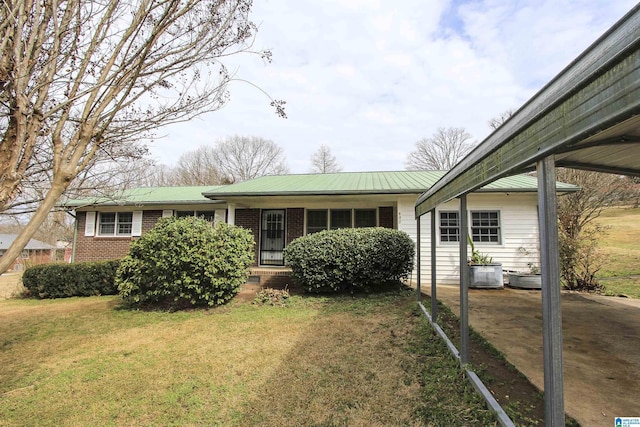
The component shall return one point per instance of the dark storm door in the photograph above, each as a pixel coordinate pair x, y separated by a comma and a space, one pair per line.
272, 237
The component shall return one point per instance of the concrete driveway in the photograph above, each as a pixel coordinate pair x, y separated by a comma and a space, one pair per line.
601, 337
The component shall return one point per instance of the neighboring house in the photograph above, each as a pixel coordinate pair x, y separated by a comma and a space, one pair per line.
277, 209
36, 252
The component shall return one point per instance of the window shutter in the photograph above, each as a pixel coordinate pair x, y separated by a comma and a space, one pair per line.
167, 213
220, 216
90, 224
136, 225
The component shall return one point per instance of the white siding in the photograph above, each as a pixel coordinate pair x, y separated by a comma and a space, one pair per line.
519, 234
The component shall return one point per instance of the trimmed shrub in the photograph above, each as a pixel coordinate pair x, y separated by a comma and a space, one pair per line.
274, 297
71, 280
186, 262
350, 260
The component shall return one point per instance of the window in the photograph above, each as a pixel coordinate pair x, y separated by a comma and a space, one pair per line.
115, 223
449, 226
365, 218
340, 218
485, 226
333, 219
316, 221
207, 215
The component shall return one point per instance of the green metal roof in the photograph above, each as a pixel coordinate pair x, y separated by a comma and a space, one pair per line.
149, 196
401, 182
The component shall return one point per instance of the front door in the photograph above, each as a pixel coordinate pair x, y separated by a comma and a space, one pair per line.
272, 237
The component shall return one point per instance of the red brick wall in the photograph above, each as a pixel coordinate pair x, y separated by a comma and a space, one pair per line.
250, 219
295, 224
36, 256
92, 248
385, 216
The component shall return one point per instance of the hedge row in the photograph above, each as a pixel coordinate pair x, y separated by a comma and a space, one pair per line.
71, 280
350, 260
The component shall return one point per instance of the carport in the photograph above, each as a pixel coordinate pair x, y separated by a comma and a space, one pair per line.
585, 118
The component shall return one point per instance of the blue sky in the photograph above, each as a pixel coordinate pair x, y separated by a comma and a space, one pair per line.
369, 78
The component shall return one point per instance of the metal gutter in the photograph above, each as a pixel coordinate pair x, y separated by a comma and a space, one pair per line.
475, 381
143, 204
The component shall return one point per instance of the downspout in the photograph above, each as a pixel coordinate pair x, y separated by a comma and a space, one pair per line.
75, 236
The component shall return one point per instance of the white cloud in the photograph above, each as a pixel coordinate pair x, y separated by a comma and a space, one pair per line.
370, 78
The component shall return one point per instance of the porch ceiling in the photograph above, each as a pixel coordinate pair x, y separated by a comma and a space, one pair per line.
586, 117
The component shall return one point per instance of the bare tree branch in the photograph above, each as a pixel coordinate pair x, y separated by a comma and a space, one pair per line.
240, 158
441, 151
322, 161
497, 121
80, 79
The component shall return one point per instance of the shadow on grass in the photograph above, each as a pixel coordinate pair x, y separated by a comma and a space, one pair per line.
365, 359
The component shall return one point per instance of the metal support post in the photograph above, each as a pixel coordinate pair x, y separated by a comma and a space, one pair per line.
464, 282
551, 308
434, 296
418, 286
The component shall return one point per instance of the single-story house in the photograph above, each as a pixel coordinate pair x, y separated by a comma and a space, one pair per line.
36, 252
503, 216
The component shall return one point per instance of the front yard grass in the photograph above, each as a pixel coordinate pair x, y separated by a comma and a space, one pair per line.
325, 361
620, 246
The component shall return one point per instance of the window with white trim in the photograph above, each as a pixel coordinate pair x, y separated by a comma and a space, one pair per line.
485, 226
333, 219
340, 218
364, 218
449, 226
317, 220
115, 223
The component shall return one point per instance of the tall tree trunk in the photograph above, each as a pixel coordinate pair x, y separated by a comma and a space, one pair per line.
32, 226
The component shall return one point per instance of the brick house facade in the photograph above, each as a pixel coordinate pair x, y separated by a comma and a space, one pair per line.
97, 248
278, 209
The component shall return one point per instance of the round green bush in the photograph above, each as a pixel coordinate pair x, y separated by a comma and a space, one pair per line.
350, 260
186, 262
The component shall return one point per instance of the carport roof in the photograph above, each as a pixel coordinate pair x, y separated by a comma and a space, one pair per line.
587, 117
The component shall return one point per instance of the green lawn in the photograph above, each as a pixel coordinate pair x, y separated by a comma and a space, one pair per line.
621, 247
362, 361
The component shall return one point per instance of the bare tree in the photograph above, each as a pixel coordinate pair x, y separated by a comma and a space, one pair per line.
160, 175
198, 167
497, 121
240, 158
597, 191
578, 232
79, 78
322, 161
441, 151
